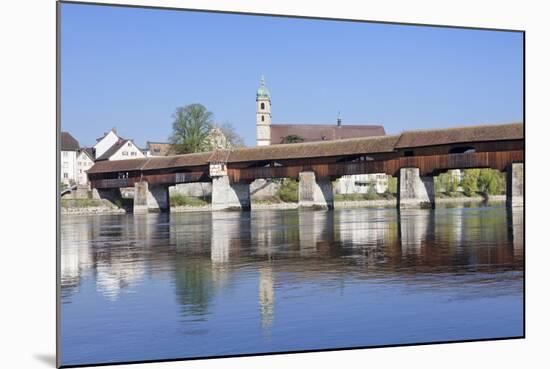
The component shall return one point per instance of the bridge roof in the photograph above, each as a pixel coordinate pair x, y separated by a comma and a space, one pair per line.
315, 149
352, 146
151, 163
513, 131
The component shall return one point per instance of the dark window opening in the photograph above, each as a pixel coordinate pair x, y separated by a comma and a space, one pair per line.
462, 150
262, 118
262, 106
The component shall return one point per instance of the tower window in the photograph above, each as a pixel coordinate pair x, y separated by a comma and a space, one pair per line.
262, 106
262, 118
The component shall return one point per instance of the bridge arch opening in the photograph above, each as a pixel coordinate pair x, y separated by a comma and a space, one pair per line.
462, 150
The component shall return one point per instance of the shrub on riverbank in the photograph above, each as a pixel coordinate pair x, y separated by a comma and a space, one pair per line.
181, 200
288, 192
392, 186
475, 183
483, 181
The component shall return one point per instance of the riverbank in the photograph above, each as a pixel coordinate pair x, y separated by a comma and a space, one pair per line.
90, 206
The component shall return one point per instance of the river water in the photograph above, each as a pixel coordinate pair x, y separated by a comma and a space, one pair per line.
161, 286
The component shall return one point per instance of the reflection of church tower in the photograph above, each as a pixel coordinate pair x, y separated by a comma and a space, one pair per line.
267, 295
263, 115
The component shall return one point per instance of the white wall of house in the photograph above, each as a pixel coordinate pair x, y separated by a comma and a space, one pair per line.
360, 183
68, 167
128, 151
83, 163
105, 143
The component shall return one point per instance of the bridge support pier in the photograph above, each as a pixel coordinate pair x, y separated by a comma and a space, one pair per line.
152, 199
315, 192
111, 194
514, 185
229, 196
415, 191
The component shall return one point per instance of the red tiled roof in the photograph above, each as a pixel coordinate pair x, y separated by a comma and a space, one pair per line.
68, 142
323, 132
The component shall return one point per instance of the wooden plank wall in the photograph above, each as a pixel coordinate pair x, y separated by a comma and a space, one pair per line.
428, 165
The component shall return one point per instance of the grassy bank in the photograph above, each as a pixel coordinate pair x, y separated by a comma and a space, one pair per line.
181, 200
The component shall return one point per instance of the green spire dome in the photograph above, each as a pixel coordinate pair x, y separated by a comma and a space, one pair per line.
262, 92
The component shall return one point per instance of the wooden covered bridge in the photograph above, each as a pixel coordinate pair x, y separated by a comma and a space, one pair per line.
413, 156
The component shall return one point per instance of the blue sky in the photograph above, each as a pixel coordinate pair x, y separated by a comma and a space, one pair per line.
130, 68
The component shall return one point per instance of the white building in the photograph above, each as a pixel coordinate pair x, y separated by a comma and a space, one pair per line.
84, 161
158, 149
217, 140
113, 147
362, 183
69, 151
106, 142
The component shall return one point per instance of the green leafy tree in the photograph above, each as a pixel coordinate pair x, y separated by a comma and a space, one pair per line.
392, 185
190, 129
453, 184
470, 181
491, 182
288, 191
292, 139
446, 183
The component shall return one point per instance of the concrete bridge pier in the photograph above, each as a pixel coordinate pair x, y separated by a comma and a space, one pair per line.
152, 199
229, 196
111, 194
315, 192
414, 191
514, 185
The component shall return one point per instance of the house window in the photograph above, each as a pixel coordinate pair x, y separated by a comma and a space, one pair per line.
129, 144
65, 165
80, 171
65, 154
133, 153
65, 175
125, 153
262, 106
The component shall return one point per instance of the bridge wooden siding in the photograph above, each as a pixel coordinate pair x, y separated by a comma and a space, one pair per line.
428, 165
494, 147
167, 179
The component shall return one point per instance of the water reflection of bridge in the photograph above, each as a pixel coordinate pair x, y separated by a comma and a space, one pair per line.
201, 252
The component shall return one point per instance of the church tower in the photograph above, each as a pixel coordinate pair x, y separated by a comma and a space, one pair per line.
263, 115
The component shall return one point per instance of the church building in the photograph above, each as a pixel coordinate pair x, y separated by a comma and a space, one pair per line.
268, 133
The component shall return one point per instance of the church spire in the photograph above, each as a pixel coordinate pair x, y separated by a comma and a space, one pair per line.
262, 91
263, 115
